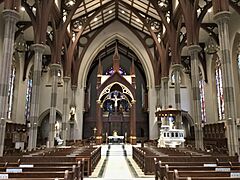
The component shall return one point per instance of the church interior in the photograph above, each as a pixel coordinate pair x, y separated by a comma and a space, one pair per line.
119, 89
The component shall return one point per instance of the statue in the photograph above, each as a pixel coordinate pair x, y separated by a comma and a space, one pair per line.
115, 133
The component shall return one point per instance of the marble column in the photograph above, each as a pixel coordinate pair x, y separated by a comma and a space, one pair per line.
165, 97
99, 124
222, 19
165, 91
72, 125
158, 107
34, 110
158, 92
177, 69
153, 123
133, 138
10, 19
54, 68
65, 129
2, 135
197, 114
73, 100
80, 112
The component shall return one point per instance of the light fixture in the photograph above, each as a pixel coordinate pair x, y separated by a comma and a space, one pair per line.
211, 45
70, 2
20, 43
22, 8
210, 10
110, 11
163, 3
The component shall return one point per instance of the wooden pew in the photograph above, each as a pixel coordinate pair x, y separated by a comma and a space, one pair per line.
90, 160
89, 155
167, 172
41, 169
145, 159
66, 175
201, 175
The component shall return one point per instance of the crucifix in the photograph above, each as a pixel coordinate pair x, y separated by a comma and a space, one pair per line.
116, 99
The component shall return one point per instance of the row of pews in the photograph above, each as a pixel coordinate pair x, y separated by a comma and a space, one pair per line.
179, 164
51, 164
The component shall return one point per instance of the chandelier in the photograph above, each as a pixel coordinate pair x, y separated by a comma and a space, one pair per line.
211, 46
20, 43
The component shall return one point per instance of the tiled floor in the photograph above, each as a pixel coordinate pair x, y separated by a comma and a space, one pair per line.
116, 163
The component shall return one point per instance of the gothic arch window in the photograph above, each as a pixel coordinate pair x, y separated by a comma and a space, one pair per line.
11, 87
219, 89
202, 97
238, 61
28, 94
110, 71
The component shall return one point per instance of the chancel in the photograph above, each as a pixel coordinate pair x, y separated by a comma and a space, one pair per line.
119, 89
115, 138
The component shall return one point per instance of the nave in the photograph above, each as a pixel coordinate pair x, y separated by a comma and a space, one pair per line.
117, 163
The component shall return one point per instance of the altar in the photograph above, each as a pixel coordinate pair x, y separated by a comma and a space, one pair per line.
115, 139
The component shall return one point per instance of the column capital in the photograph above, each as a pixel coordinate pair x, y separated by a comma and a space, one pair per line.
38, 48
11, 14
2, 121
194, 48
222, 16
55, 66
74, 87
158, 87
165, 79
133, 101
66, 78
176, 67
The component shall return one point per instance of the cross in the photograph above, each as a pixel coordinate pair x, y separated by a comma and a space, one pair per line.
116, 99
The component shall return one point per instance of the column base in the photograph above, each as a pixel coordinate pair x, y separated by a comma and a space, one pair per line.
98, 140
133, 140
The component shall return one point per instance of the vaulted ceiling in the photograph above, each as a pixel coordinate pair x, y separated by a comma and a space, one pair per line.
111, 10
141, 16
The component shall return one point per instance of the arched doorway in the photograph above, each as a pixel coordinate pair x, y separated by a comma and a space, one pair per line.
43, 128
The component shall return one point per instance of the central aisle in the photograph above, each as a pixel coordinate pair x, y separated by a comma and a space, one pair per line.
116, 166
116, 163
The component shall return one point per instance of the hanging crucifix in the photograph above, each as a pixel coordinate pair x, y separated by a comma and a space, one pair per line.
115, 99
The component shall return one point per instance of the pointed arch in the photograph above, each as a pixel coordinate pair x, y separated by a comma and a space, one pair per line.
28, 95
45, 113
109, 34
217, 70
11, 88
236, 56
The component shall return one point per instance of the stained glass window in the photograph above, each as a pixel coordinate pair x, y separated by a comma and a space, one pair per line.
11, 87
238, 61
202, 98
110, 71
28, 94
219, 88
